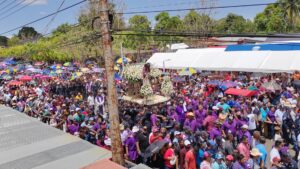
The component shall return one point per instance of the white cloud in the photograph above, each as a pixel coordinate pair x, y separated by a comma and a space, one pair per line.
36, 2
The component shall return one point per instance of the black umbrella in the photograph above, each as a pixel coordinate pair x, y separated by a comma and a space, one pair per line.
154, 148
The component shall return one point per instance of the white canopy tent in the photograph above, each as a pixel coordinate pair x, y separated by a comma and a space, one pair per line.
218, 59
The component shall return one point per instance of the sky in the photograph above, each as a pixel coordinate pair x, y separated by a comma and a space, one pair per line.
41, 8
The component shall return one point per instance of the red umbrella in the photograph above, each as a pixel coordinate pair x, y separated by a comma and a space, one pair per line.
15, 83
241, 92
25, 78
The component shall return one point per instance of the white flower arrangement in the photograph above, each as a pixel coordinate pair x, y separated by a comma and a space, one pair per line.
167, 86
155, 73
133, 72
146, 90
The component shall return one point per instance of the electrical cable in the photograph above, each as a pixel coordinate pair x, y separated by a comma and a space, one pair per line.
200, 8
18, 4
15, 11
52, 19
12, 2
3, 2
42, 18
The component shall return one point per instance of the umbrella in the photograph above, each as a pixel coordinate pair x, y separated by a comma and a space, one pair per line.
6, 77
178, 79
84, 69
39, 63
214, 82
15, 83
89, 62
228, 84
67, 64
252, 88
45, 77
154, 148
59, 71
271, 86
117, 76
97, 70
37, 76
187, 71
123, 60
11, 70
241, 92
25, 78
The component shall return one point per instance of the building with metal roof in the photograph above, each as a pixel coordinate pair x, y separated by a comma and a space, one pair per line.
26, 143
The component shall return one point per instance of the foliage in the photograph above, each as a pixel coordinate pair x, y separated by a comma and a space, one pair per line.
3, 41
167, 86
133, 72
138, 24
291, 11
233, 23
195, 22
271, 20
146, 89
28, 33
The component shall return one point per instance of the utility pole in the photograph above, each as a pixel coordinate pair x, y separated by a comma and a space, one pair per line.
116, 144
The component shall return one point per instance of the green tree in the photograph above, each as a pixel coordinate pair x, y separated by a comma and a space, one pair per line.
271, 20
232, 23
13, 41
138, 24
62, 29
291, 11
27, 33
166, 24
3, 41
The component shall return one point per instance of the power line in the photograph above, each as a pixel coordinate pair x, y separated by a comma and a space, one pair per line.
3, 2
200, 8
18, 4
49, 23
42, 18
12, 2
6, 16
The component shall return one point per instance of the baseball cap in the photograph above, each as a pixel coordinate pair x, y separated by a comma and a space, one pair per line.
187, 142
177, 133
229, 158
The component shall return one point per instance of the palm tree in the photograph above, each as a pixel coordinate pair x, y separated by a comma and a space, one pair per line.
291, 10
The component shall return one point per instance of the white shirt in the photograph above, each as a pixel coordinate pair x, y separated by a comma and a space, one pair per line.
279, 115
251, 122
91, 100
274, 153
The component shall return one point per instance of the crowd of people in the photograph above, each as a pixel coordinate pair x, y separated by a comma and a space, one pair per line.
199, 127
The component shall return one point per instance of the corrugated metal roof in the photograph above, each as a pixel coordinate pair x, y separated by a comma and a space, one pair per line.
26, 143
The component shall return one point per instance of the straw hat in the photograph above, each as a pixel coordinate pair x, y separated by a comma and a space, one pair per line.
245, 126
255, 152
122, 127
190, 114
222, 116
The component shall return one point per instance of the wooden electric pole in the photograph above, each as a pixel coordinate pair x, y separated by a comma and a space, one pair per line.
116, 144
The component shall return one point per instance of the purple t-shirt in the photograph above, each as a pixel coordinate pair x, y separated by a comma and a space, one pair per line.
214, 132
271, 116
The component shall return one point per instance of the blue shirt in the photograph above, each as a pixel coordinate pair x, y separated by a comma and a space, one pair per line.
263, 151
264, 114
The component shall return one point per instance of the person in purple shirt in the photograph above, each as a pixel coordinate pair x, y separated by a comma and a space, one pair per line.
244, 132
229, 125
200, 114
190, 123
73, 127
271, 121
216, 131
180, 112
240, 163
131, 148
154, 118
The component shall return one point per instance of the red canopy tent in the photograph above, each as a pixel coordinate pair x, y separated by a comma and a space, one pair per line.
240, 92
15, 83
